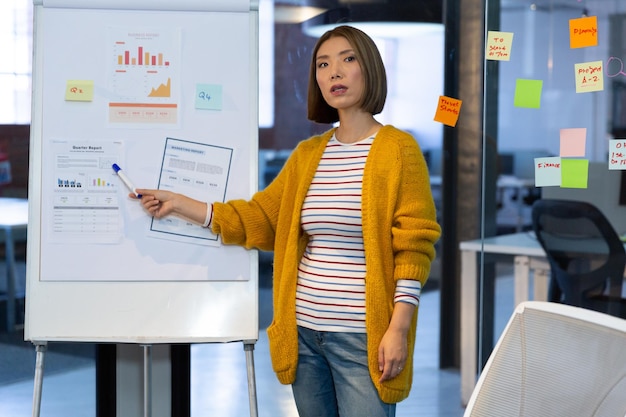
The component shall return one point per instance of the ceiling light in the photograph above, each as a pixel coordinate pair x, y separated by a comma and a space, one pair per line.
286, 13
380, 18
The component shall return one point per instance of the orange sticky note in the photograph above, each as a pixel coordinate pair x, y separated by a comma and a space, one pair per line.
448, 110
583, 32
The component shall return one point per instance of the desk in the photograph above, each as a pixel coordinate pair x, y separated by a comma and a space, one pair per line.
528, 255
13, 223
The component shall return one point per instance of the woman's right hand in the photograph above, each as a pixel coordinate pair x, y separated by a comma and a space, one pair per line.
161, 203
158, 203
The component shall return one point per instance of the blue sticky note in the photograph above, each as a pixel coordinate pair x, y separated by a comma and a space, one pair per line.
208, 97
548, 171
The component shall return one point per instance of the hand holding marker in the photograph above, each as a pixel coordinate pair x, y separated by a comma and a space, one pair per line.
125, 179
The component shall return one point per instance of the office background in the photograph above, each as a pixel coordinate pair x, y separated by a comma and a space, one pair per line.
492, 138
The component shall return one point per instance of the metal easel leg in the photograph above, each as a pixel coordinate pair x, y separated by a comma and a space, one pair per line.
248, 347
41, 348
147, 380
11, 278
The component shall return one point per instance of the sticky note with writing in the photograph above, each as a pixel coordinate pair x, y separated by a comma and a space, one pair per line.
79, 90
547, 171
617, 154
209, 96
589, 77
499, 45
448, 110
583, 32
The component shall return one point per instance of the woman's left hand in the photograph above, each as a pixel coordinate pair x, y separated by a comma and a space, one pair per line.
392, 354
393, 350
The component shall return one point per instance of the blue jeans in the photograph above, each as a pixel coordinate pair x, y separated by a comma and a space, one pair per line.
333, 379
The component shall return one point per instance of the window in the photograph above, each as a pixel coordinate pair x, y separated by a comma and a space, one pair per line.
16, 24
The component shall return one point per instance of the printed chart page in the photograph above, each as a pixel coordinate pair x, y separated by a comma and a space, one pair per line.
199, 171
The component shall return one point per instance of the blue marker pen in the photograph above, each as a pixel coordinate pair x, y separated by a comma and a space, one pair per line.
125, 179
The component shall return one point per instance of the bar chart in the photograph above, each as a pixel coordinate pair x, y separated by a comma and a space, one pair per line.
144, 75
140, 57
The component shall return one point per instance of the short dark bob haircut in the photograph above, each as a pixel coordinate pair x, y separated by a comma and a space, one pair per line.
372, 67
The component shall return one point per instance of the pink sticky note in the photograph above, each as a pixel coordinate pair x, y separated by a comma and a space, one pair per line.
573, 142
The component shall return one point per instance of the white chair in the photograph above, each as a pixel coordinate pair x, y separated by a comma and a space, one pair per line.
554, 360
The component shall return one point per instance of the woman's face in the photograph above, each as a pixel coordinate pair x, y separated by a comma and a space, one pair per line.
339, 75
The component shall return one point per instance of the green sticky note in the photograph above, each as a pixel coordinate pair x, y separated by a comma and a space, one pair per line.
209, 96
574, 173
528, 93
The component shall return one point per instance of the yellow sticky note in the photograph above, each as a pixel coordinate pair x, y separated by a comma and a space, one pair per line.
448, 110
573, 141
574, 173
583, 32
79, 90
528, 93
499, 45
589, 77
548, 171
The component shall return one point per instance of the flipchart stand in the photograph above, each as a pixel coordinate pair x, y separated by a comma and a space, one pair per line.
248, 346
120, 302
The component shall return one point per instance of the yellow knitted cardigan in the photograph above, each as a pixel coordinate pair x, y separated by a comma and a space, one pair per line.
399, 232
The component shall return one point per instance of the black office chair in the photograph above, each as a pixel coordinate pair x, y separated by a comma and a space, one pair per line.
586, 256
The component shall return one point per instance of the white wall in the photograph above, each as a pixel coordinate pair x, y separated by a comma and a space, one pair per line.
415, 84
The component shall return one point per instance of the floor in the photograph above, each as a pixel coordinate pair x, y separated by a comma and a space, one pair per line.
219, 383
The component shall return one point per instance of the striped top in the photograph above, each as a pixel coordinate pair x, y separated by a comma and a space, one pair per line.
331, 276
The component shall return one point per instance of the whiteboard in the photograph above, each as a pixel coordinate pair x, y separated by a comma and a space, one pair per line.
97, 271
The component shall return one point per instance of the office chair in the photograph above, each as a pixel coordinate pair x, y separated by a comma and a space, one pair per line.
586, 256
554, 360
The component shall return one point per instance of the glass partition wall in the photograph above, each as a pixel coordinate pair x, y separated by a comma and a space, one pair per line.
556, 70
566, 62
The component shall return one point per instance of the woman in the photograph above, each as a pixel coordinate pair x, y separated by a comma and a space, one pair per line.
351, 221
